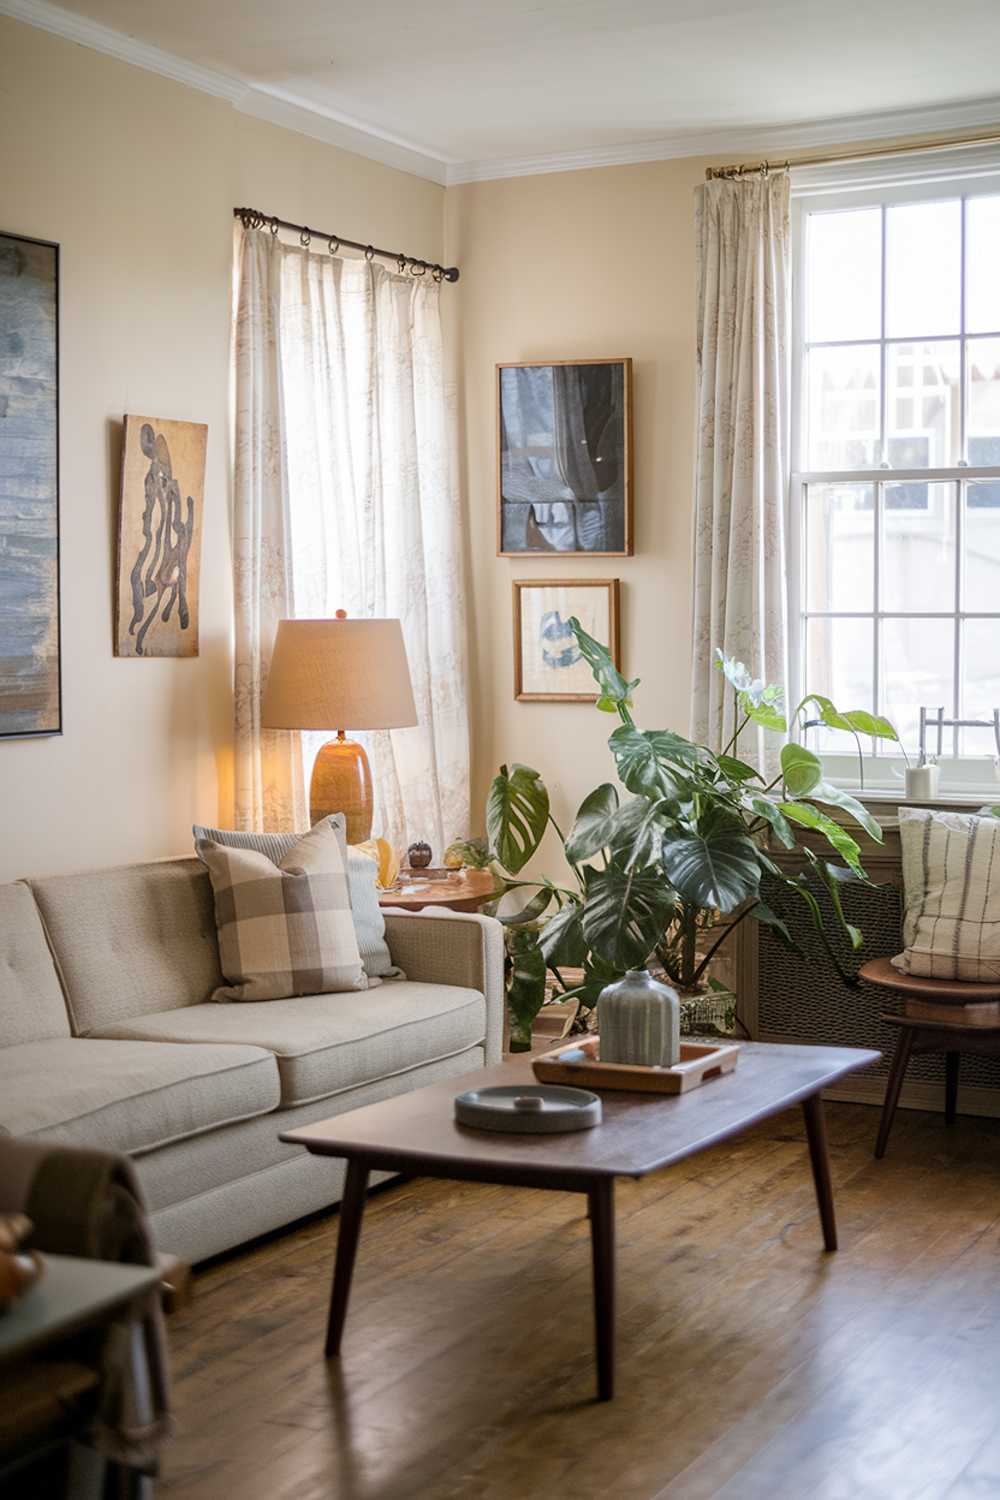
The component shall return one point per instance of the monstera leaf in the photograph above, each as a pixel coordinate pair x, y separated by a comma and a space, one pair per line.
808, 816
716, 866
651, 762
594, 824
801, 770
615, 690
517, 810
525, 983
624, 914
562, 941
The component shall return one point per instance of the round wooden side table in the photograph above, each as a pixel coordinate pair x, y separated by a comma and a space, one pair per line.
465, 890
938, 1015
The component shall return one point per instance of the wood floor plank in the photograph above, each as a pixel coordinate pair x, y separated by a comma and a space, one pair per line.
750, 1363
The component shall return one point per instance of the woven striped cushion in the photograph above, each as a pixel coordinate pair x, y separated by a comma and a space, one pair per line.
284, 929
951, 881
369, 923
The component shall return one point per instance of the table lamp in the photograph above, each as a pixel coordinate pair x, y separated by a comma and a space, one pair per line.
327, 673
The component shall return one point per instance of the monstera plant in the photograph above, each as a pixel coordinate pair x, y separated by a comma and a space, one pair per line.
682, 838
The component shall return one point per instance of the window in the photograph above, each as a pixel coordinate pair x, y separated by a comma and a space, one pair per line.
896, 456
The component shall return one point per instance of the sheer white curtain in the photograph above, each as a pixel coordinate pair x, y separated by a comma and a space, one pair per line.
372, 521
741, 460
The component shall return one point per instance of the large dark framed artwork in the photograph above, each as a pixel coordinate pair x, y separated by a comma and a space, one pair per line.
30, 680
159, 537
564, 450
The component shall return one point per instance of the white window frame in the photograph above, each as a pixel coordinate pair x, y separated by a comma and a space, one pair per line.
956, 173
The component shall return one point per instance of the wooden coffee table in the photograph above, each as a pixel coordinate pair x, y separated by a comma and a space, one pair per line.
416, 1134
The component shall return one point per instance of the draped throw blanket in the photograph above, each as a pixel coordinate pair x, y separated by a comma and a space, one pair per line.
346, 499
741, 459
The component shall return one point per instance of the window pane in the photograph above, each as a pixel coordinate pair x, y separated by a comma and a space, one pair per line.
839, 666
922, 417
917, 666
982, 549
844, 280
923, 247
844, 400
918, 547
982, 284
982, 358
981, 683
840, 562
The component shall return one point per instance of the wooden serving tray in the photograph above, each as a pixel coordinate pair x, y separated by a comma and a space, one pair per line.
699, 1062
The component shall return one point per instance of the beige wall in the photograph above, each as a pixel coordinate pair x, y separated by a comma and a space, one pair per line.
136, 178
592, 263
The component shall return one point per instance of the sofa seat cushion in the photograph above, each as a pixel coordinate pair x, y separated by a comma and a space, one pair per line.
130, 1096
327, 1043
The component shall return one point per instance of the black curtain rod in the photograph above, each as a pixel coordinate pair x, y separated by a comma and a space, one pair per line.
252, 218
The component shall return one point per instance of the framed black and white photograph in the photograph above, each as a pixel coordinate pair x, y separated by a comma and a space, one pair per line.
564, 481
548, 666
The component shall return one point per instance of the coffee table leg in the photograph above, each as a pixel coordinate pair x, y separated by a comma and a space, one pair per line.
601, 1206
352, 1207
818, 1155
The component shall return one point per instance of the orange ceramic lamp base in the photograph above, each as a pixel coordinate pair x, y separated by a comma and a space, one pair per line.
342, 782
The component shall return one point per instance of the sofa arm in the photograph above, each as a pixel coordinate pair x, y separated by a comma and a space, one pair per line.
452, 947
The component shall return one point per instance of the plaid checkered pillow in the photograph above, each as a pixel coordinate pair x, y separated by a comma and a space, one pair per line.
284, 929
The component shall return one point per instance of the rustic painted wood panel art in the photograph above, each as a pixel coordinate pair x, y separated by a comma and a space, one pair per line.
30, 698
159, 537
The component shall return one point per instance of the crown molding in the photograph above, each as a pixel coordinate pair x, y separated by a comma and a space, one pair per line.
746, 142
273, 105
87, 33
334, 128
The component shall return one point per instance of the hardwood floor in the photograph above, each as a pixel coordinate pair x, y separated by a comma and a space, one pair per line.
751, 1365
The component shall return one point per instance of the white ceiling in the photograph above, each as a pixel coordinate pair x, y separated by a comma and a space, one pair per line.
482, 87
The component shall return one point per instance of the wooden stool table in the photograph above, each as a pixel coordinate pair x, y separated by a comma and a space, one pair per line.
939, 1015
465, 890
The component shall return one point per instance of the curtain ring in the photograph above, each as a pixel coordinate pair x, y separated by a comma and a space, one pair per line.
369, 253
400, 264
305, 238
418, 267
274, 225
334, 244
438, 273
765, 170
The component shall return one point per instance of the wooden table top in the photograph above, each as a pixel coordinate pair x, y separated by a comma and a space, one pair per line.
465, 890
638, 1134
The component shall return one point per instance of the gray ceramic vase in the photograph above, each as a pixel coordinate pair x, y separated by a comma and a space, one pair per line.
639, 1020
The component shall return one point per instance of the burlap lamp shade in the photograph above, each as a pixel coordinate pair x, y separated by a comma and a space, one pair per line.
339, 674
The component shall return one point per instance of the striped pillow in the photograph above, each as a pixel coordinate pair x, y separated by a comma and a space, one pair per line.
369, 923
284, 929
951, 882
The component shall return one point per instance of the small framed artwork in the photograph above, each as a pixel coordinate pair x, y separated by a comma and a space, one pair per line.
159, 537
548, 667
564, 451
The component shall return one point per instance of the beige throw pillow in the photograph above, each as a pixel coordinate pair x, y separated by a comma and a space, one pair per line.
284, 929
951, 882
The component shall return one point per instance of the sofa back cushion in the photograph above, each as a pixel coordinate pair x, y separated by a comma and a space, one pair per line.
131, 940
32, 1008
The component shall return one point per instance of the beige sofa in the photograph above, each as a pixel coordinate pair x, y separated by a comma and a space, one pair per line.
108, 1038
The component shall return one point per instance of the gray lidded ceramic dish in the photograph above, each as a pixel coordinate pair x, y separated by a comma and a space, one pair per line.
528, 1109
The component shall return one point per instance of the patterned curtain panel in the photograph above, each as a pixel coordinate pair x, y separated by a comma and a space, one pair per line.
741, 459
359, 441
268, 770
